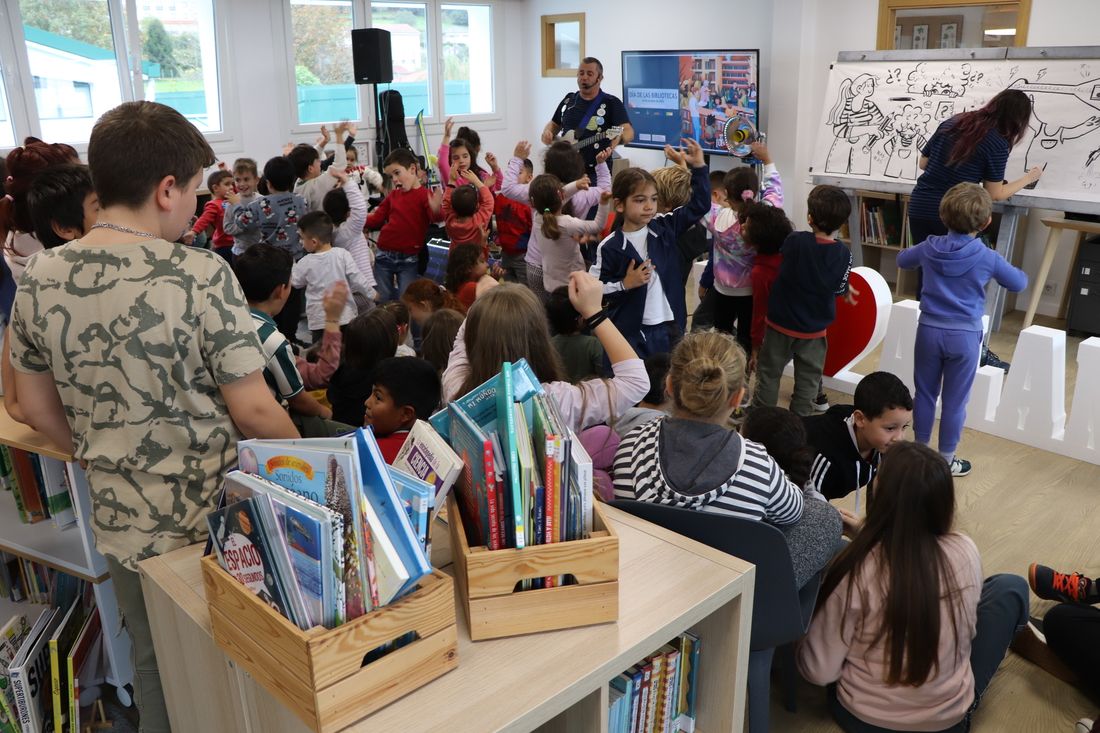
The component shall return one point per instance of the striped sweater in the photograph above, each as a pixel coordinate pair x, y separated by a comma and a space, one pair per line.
751, 486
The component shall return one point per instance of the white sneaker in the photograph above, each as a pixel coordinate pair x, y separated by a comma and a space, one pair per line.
1084, 725
959, 467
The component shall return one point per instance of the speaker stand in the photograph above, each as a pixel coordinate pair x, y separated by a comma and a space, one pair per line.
379, 142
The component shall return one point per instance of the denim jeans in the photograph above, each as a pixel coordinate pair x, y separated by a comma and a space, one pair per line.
1002, 611
393, 272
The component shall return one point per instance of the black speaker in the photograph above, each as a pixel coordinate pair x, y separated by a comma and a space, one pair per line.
371, 56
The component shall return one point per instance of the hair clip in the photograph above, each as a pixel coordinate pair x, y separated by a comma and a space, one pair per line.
747, 195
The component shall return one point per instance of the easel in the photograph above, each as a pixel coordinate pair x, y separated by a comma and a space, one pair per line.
99, 719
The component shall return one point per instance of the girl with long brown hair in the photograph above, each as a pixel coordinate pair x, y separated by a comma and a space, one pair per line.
906, 634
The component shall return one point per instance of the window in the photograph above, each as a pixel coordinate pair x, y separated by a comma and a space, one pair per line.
73, 64
408, 27
323, 78
7, 132
179, 60
926, 24
467, 59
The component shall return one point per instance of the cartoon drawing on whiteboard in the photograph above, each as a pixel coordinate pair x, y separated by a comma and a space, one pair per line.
910, 127
857, 124
1049, 135
950, 82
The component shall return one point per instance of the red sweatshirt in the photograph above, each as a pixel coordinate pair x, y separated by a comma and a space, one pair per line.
213, 213
513, 225
403, 217
469, 229
765, 269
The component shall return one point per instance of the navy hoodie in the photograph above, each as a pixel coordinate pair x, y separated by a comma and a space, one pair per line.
803, 298
956, 268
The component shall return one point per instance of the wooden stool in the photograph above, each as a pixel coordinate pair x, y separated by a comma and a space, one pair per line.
1057, 226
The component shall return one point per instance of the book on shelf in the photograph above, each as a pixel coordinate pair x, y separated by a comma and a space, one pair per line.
30, 670
40, 487
12, 634
417, 497
82, 663
658, 694
60, 643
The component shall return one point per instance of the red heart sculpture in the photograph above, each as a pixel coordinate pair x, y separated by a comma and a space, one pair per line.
858, 328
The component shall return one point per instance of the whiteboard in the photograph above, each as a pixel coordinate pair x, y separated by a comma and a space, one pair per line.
879, 112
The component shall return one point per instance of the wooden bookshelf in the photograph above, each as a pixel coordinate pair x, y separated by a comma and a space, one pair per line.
551, 681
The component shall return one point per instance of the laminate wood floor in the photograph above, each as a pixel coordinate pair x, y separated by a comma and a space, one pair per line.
1020, 505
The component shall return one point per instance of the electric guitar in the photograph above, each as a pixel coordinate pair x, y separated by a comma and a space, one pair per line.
609, 134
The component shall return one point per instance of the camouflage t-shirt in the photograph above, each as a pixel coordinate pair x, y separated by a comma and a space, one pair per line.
138, 338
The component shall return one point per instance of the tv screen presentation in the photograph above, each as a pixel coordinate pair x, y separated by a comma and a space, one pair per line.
675, 94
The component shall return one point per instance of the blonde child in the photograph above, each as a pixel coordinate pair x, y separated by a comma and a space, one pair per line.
557, 233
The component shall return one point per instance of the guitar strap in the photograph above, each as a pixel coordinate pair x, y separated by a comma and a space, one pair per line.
589, 112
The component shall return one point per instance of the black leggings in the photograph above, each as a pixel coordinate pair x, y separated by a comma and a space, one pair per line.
1073, 633
730, 309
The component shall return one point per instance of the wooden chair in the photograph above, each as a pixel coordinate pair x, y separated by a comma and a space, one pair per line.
1057, 227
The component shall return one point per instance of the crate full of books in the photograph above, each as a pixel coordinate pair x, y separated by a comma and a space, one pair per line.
532, 550
320, 584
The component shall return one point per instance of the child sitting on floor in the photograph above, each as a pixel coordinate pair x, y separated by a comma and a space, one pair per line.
406, 389
581, 353
467, 274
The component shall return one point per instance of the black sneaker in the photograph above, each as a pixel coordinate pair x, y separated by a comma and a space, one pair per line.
959, 467
820, 403
991, 359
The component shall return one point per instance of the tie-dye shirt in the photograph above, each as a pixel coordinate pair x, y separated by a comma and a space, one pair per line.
730, 258
140, 338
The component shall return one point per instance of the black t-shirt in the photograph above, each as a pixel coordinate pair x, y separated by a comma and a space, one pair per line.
609, 112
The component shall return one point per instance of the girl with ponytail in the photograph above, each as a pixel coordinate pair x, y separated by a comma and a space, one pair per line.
555, 231
692, 459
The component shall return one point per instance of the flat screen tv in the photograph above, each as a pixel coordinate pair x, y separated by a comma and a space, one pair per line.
675, 94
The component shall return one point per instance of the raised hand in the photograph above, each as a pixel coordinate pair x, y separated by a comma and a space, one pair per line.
603, 155
676, 156
605, 197
760, 152
472, 178
522, 150
585, 293
233, 198
582, 183
323, 141
447, 127
287, 148
694, 155
338, 174
334, 300
353, 129
492, 161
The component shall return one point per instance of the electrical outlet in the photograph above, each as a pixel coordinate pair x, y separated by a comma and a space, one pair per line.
1050, 289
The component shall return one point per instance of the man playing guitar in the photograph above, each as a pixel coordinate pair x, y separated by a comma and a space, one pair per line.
589, 113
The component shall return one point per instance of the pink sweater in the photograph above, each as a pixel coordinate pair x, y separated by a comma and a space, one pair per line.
837, 648
444, 166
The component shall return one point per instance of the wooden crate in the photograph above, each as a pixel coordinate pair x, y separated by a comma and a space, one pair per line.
487, 579
319, 674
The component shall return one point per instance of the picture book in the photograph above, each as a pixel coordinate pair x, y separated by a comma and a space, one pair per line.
55, 485
271, 530
480, 403
428, 457
12, 635
478, 479
30, 673
581, 469
244, 553
27, 486
416, 495
60, 642
527, 483
506, 429
82, 650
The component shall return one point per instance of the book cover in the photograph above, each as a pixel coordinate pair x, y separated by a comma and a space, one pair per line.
12, 635
614, 707
480, 403
645, 721
526, 471
682, 674
244, 553
693, 675
427, 456
272, 531
63, 637
27, 486
657, 693
624, 684
581, 466
393, 533
416, 496
636, 679
55, 483
506, 428
668, 701
476, 452
30, 673
81, 650
7, 478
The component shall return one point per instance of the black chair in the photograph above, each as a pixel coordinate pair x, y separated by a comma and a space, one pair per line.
781, 613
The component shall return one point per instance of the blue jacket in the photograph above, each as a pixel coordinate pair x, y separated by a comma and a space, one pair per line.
956, 269
627, 307
803, 298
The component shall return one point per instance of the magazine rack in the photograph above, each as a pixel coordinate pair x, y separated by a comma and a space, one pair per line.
322, 675
487, 580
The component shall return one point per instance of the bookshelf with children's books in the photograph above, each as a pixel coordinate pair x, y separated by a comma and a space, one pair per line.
61, 540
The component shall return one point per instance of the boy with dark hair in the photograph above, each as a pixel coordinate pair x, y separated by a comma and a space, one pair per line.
323, 267
957, 267
312, 186
62, 203
403, 216
802, 303
246, 176
655, 404
764, 228
580, 353
405, 389
220, 185
467, 211
264, 274
172, 395
850, 439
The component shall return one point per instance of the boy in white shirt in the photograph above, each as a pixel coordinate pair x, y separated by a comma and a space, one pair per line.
323, 266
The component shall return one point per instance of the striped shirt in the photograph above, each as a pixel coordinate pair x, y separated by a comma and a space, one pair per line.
986, 163
758, 488
280, 372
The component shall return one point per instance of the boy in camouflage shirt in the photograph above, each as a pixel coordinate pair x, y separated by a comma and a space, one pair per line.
140, 354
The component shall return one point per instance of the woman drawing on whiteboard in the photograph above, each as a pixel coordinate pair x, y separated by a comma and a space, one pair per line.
857, 123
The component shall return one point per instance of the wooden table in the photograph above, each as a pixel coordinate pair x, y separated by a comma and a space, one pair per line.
554, 681
1057, 226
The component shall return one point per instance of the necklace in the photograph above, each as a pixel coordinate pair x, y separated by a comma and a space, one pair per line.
124, 230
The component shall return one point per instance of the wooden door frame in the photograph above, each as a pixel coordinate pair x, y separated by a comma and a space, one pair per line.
887, 9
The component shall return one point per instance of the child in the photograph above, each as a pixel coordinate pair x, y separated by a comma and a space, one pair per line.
246, 177
673, 184
907, 636
220, 185
348, 210
956, 268
691, 458
563, 161
312, 186
718, 188
514, 228
509, 323
764, 228
655, 404
406, 389
557, 233
467, 211
424, 297
802, 303
367, 179
400, 313
467, 274
368, 339
403, 216
159, 432
729, 270
849, 440
273, 218
439, 337
264, 274
581, 354
462, 153
321, 268
640, 264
